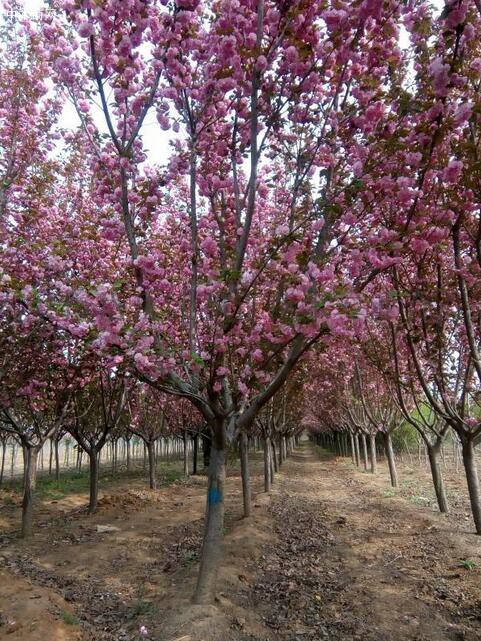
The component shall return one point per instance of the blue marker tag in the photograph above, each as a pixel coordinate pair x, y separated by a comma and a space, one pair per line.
215, 496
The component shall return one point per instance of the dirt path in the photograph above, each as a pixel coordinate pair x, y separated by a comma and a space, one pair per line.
331, 554
353, 562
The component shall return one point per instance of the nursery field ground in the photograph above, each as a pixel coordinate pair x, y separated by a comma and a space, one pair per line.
333, 553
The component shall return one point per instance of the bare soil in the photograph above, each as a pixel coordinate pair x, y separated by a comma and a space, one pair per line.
332, 554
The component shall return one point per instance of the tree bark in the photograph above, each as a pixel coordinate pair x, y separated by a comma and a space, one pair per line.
364, 451
30, 481
353, 449
390, 459
185, 440
356, 449
469, 461
57, 460
2, 468
195, 453
152, 475
275, 459
206, 447
438, 480
246, 481
267, 466
50, 458
214, 527
93, 479
127, 445
372, 452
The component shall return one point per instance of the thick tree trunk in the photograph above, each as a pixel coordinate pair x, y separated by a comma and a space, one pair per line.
390, 459
195, 453
372, 452
152, 475
267, 466
214, 528
246, 481
438, 480
30, 481
364, 451
93, 480
469, 461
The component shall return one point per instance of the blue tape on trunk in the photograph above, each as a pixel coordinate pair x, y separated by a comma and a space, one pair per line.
215, 496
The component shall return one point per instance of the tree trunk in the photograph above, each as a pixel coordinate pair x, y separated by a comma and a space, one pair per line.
195, 453
93, 479
364, 451
274, 456
127, 445
390, 459
50, 458
372, 452
214, 528
186, 453
353, 450
206, 447
57, 460
151, 456
356, 449
30, 481
469, 461
246, 481
438, 480
2, 468
267, 466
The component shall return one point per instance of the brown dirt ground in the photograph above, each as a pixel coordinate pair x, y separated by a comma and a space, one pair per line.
332, 554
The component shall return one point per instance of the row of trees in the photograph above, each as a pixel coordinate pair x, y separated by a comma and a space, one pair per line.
314, 218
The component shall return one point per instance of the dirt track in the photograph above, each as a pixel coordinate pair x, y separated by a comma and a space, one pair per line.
330, 555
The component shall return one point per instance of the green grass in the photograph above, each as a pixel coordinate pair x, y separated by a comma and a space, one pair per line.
467, 564
388, 494
70, 619
74, 482
140, 607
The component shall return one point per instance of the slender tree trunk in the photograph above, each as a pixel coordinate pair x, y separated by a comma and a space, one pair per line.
2, 468
469, 461
30, 481
214, 528
274, 456
12, 461
272, 460
94, 457
206, 447
364, 451
353, 449
246, 481
185, 439
127, 446
356, 444
372, 451
57, 460
151, 456
195, 453
267, 466
438, 480
390, 459
50, 458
